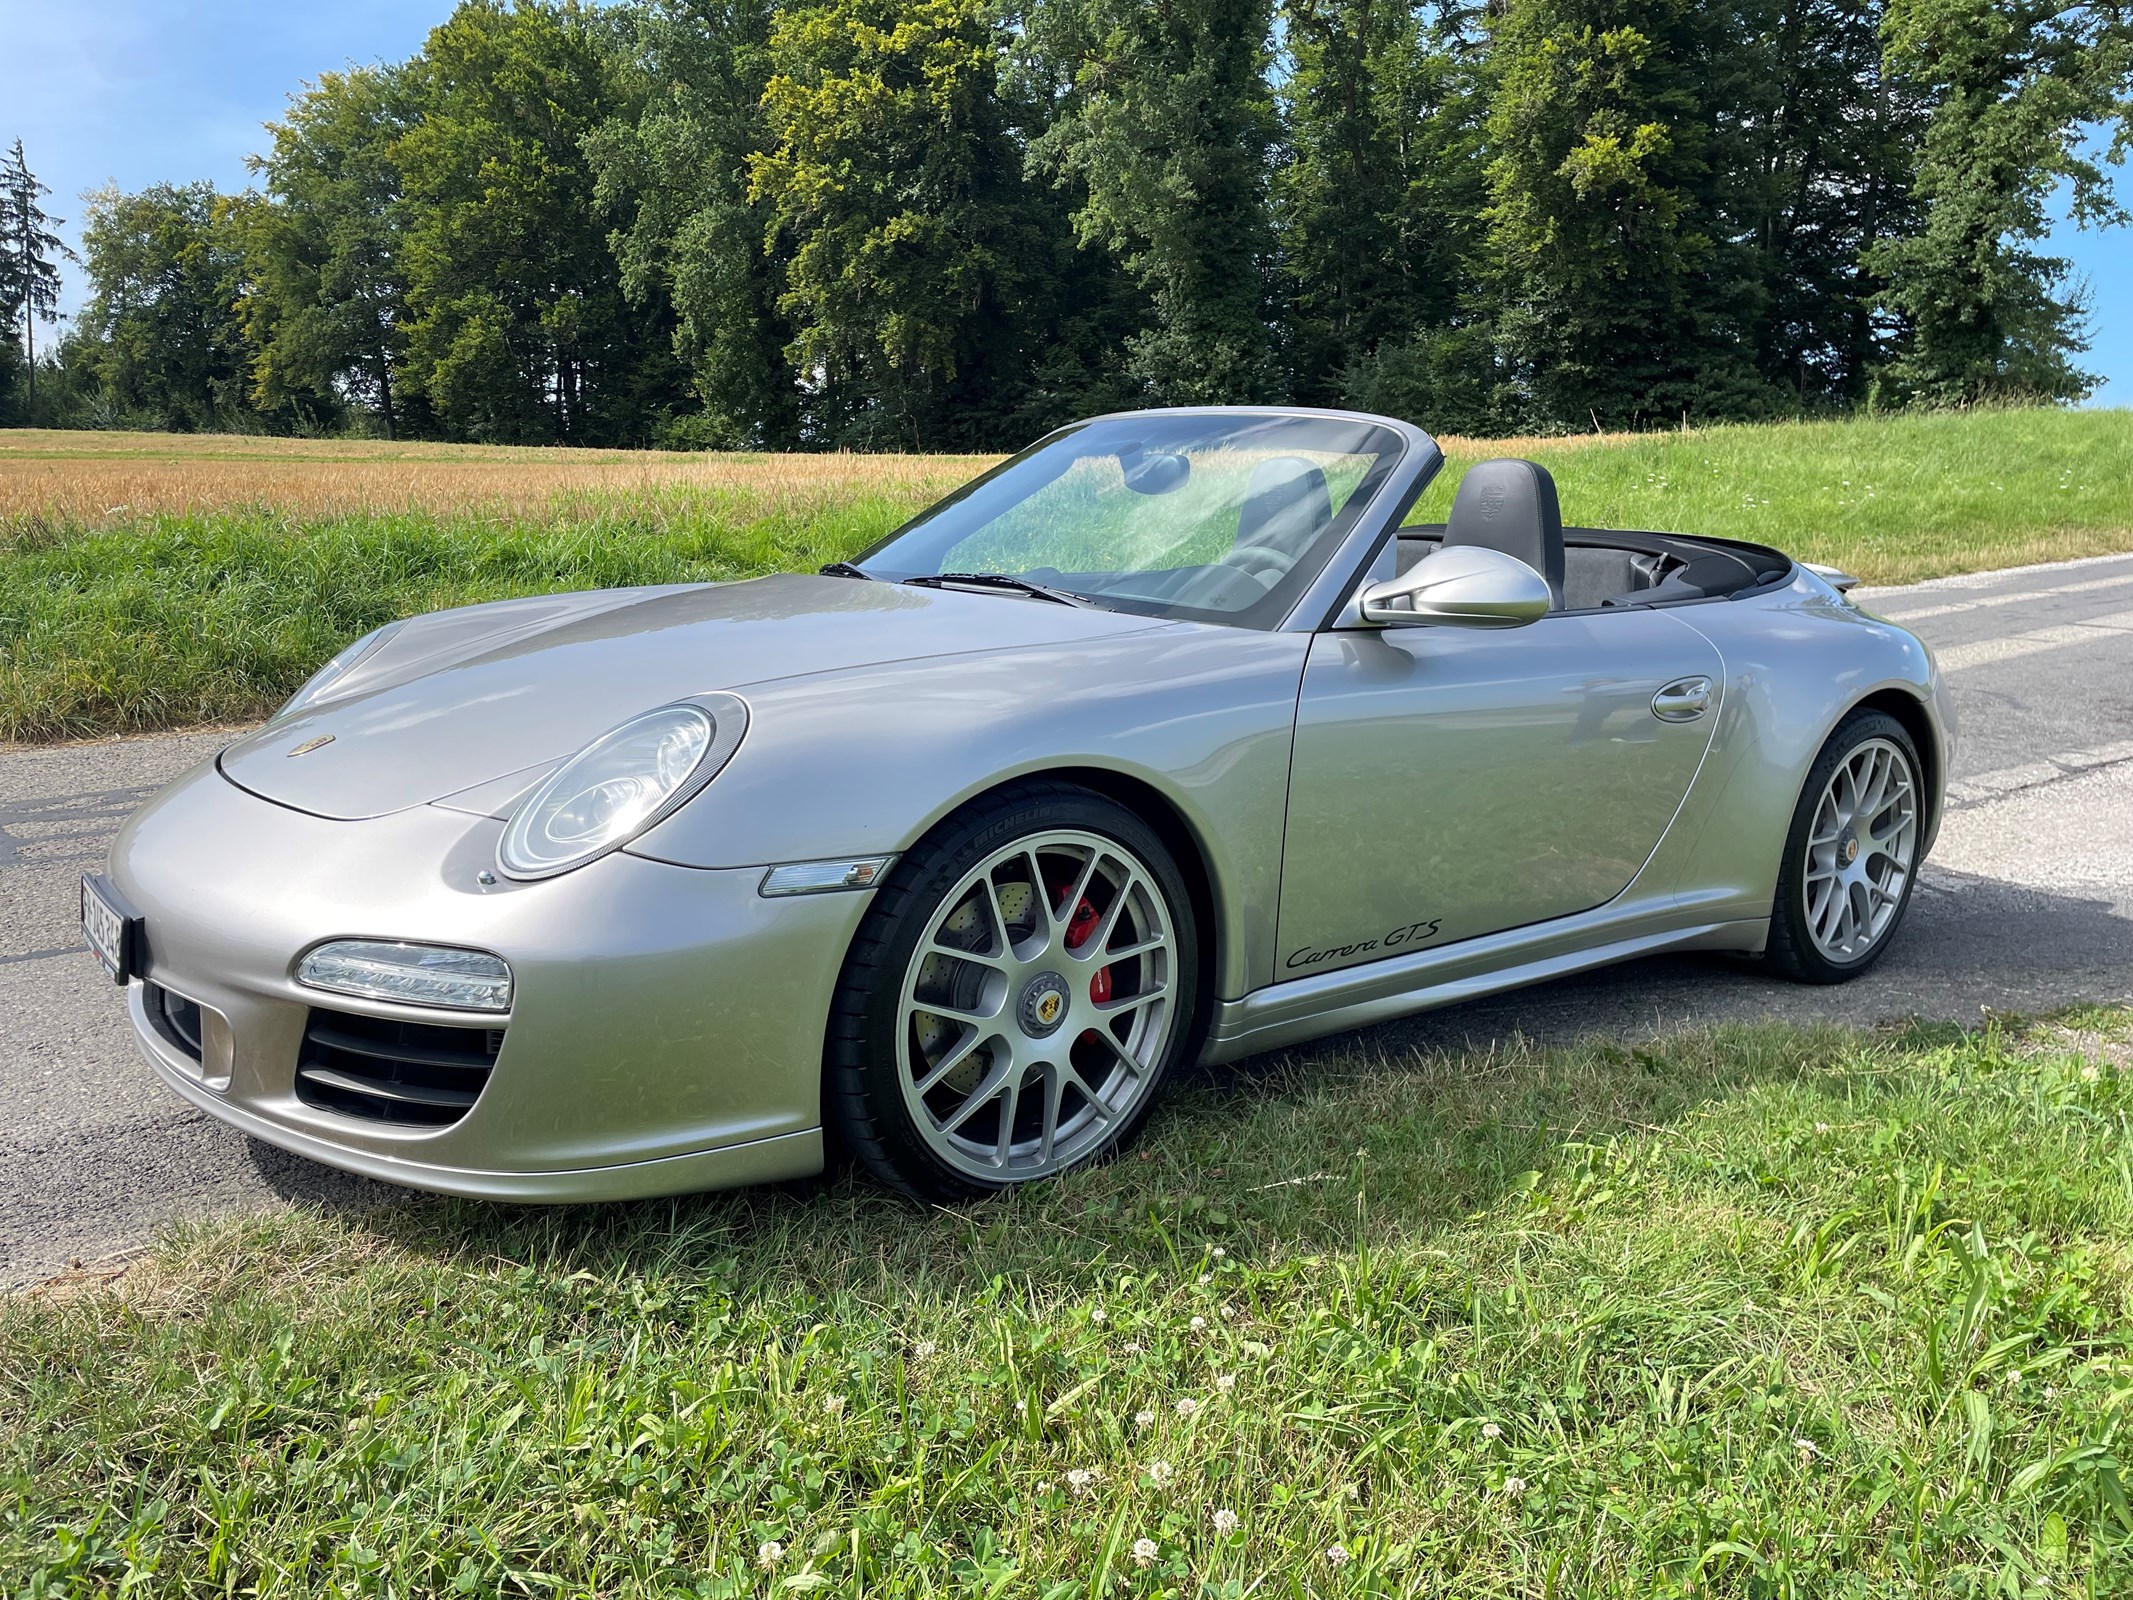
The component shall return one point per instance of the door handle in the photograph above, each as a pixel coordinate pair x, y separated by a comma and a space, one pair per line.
1683, 700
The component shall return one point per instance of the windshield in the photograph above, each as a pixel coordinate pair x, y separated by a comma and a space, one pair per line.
1219, 517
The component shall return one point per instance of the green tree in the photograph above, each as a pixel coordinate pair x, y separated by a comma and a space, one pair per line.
166, 270
1829, 142
1161, 120
518, 329
1377, 199
328, 312
2016, 85
30, 252
1626, 283
676, 179
891, 176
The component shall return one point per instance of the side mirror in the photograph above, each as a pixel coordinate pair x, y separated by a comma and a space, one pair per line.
1465, 586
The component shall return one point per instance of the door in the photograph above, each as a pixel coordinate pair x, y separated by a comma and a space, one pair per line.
1452, 782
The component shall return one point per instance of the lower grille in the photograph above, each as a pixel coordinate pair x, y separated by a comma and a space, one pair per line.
176, 1018
386, 1071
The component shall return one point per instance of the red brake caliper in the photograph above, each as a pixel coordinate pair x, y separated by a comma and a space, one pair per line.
1079, 929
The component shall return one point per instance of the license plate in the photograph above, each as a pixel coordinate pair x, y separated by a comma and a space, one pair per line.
110, 928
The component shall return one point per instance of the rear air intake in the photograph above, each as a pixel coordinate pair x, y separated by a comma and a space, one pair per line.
402, 1072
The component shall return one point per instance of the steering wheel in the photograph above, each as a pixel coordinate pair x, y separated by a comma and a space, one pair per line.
1259, 561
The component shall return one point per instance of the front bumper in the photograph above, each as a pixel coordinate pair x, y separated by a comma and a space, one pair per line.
667, 1023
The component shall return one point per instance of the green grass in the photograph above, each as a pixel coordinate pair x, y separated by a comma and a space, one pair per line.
1753, 1312
186, 620
117, 622
1892, 499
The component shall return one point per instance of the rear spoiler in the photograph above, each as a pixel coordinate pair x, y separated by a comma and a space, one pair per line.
1836, 577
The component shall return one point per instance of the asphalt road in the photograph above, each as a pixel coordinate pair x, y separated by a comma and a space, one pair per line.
2026, 904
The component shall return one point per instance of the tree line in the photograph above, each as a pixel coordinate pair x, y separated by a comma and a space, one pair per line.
951, 224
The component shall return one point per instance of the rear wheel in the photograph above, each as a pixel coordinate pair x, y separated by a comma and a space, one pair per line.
1019, 991
1851, 857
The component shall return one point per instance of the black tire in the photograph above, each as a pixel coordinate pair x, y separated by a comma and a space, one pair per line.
863, 1101
1792, 950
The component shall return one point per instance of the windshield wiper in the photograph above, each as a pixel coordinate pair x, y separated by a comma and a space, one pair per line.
844, 569
998, 580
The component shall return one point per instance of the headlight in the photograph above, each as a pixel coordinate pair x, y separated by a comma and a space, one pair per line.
618, 786
339, 667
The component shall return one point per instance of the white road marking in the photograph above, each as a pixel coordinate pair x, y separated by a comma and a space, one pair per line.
1984, 580
1909, 617
1975, 791
1985, 651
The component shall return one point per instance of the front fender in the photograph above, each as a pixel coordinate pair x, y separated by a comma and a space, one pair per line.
867, 761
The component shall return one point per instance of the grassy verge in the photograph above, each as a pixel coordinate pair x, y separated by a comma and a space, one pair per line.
1754, 1312
147, 584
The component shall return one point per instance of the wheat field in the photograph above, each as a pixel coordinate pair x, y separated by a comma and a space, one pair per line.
102, 479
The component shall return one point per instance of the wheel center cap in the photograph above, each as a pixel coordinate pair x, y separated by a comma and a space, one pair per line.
1851, 850
1043, 1005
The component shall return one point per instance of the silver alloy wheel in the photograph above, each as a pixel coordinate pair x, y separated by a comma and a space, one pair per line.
1861, 849
1038, 1006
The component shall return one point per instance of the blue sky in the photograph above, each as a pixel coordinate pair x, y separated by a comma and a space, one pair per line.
137, 92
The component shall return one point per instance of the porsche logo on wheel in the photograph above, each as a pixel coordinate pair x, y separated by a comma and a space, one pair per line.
310, 745
1049, 1007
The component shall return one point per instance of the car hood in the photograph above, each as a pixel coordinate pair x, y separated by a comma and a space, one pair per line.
488, 698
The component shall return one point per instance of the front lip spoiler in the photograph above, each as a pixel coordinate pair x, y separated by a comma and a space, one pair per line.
772, 1160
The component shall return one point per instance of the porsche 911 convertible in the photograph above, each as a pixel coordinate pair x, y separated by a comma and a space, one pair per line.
1166, 740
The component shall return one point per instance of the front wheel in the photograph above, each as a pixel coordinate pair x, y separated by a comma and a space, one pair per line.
1018, 993
1851, 856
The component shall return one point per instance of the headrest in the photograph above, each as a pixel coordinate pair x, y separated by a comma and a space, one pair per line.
1510, 505
1286, 506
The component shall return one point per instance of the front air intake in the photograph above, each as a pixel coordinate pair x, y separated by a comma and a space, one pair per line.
386, 1071
176, 1018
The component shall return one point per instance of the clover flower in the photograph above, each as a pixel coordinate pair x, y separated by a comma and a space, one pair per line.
924, 1348
1224, 1382
1144, 1552
1082, 1479
1220, 1253
1187, 1406
768, 1554
1097, 1316
1337, 1555
1143, 1419
833, 1405
1197, 1324
1225, 1522
1489, 1430
1514, 1487
1159, 1473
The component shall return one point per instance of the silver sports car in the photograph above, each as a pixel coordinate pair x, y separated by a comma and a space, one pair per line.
1166, 739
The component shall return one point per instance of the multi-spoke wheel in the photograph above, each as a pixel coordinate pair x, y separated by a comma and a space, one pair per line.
1852, 854
1022, 986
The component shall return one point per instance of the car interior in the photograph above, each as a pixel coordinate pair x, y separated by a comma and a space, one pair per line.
1510, 505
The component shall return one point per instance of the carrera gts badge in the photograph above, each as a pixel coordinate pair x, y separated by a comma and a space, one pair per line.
310, 745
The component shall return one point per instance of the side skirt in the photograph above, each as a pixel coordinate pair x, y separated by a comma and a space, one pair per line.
1357, 997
